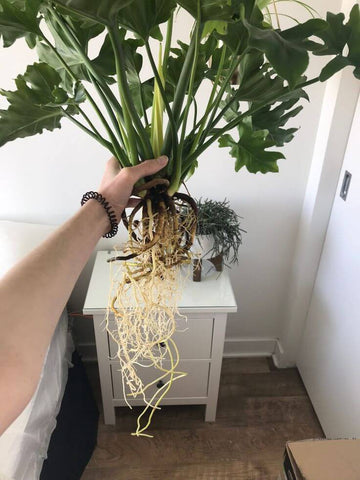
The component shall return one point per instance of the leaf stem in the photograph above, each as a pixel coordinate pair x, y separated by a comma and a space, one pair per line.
120, 155
234, 64
176, 177
98, 138
124, 91
179, 94
166, 104
238, 120
210, 105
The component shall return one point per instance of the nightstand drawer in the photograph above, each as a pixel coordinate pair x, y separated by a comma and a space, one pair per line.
194, 384
193, 338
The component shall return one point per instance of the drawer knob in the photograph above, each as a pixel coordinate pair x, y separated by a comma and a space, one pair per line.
160, 384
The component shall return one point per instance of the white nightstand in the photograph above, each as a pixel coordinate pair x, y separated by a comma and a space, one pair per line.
206, 305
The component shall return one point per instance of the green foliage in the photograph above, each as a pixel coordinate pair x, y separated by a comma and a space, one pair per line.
274, 118
250, 150
37, 104
286, 51
99, 11
256, 75
18, 19
336, 38
220, 221
144, 18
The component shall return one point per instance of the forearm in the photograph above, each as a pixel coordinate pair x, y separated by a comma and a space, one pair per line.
32, 297
34, 293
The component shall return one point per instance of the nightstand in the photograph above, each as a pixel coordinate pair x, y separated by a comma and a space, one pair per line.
200, 340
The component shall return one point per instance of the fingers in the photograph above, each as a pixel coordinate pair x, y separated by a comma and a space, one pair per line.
149, 167
113, 166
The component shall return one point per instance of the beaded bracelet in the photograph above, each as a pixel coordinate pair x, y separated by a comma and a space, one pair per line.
110, 212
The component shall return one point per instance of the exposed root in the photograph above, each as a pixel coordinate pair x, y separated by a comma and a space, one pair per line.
145, 295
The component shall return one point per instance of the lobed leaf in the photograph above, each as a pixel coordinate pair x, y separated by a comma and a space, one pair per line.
250, 150
336, 38
144, 18
273, 118
37, 104
104, 11
18, 19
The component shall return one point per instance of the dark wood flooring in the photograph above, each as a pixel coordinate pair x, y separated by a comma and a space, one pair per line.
260, 408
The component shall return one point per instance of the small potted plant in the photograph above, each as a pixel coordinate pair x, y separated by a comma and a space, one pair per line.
219, 235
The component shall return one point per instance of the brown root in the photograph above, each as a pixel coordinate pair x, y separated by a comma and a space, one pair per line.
144, 301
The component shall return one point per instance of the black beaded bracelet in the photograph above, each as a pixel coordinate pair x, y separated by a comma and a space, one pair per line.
110, 212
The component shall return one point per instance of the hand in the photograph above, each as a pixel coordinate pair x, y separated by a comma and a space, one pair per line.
117, 184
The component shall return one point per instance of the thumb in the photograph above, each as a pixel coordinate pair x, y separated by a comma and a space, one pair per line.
149, 167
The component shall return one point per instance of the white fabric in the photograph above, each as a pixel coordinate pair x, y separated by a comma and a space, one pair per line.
23, 446
18, 239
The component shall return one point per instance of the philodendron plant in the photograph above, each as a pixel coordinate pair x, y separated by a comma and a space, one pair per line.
256, 73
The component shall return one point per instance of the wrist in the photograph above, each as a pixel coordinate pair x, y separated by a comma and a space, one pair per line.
96, 217
103, 210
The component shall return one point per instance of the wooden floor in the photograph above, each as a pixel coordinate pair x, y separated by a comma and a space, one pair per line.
259, 409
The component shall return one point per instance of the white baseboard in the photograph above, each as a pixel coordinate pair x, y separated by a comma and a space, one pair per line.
279, 358
249, 347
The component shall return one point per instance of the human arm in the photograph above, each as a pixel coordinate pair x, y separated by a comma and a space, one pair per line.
34, 292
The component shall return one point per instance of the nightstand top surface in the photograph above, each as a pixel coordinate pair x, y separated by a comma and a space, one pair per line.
213, 294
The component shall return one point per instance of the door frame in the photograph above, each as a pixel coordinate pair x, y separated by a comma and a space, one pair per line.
338, 108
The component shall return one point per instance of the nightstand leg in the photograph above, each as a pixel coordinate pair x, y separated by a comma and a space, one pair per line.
102, 349
109, 415
215, 366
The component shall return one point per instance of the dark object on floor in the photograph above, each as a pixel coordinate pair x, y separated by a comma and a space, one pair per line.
74, 437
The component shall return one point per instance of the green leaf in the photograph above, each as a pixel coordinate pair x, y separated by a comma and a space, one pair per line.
85, 30
354, 36
143, 18
338, 36
335, 36
251, 149
104, 11
334, 66
257, 80
35, 105
18, 20
302, 31
212, 9
236, 35
175, 63
273, 118
214, 63
289, 59
220, 26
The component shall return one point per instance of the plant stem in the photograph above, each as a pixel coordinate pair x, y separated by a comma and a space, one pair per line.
125, 93
98, 138
238, 120
129, 128
166, 103
179, 95
119, 153
234, 64
169, 30
210, 105
176, 177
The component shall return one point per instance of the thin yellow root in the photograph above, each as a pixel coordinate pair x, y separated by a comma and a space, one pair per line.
143, 306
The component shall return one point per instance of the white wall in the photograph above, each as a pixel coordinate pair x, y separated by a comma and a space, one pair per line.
43, 178
337, 112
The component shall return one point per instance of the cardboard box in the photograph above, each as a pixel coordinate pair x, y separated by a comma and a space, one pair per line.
321, 460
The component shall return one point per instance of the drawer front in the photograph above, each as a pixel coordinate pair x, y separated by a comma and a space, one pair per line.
194, 384
193, 338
